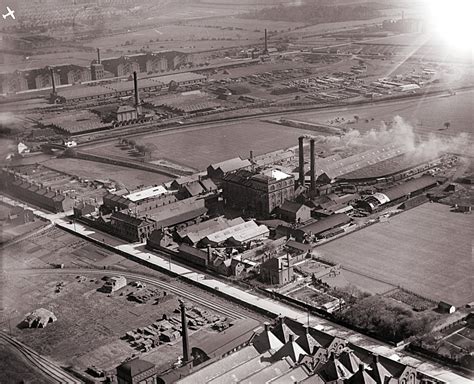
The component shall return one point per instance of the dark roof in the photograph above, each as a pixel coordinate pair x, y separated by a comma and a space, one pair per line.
121, 216
134, 367
291, 207
299, 246
185, 248
326, 223
208, 185
410, 187
239, 333
194, 188
181, 218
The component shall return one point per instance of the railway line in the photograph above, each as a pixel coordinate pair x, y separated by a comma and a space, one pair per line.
55, 373
228, 310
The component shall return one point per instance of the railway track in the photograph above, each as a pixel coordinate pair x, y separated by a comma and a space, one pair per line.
55, 373
227, 310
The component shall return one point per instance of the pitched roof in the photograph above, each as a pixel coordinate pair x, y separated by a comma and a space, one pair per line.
326, 223
135, 367
231, 165
291, 207
265, 341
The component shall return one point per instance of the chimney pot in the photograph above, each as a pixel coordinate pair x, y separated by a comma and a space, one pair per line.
291, 338
267, 326
361, 367
332, 357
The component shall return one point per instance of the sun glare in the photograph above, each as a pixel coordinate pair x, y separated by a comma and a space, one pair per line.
452, 22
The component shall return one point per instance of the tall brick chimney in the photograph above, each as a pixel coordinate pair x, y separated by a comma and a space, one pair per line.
301, 160
98, 56
312, 162
184, 332
135, 87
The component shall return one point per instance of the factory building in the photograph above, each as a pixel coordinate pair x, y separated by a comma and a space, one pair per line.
277, 270
35, 194
323, 228
217, 171
289, 352
408, 189
144, 63
258, 192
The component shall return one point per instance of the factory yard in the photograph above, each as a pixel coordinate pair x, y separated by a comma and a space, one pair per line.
426, 250
200, 147
92, 170
97, 336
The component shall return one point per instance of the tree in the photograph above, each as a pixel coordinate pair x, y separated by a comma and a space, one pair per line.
447, 125
356, 118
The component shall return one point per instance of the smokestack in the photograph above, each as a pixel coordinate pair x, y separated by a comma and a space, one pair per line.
266, 41
312, 162
184, 332
288, 261
98, 56
209, 255
135, 85
301, 160
52, 80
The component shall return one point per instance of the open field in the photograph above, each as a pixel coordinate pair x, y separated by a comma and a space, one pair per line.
426, 250
199, 147
426, 115
90, 323
91, 170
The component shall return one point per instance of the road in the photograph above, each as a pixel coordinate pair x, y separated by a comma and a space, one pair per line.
55, 373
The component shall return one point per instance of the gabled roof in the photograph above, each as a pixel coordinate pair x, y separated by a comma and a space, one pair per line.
334, 370
291, 207
350, 360
265, 341
308, 343
194, 188
283, 332
326, 223
231, 165
361, 377
292, 350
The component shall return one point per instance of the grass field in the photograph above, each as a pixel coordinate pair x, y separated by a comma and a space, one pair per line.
198, 148
426, 250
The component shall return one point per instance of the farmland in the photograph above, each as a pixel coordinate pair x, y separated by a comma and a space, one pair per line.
412, 250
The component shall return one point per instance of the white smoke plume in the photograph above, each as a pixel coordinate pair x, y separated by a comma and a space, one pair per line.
401, 133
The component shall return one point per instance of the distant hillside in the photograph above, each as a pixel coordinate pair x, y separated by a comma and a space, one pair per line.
318, 11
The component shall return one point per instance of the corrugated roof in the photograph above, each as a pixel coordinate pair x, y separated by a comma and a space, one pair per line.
326, 223
410, 187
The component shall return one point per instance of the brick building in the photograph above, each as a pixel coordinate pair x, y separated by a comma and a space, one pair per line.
259, 193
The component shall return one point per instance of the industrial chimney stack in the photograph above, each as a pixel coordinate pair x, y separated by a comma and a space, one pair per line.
312, 162
184, 332
135, 86
52, 80
98, 56
301, 160
266, 42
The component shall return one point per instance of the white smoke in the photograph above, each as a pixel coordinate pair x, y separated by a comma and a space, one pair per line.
401, 133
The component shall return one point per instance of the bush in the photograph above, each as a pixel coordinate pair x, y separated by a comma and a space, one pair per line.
382, 318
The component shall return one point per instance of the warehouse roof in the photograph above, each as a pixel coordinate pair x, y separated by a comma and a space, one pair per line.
240, 232
410, 186
326, 223
231, 165
146, 193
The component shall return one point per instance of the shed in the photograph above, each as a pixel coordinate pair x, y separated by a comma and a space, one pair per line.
446, 307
